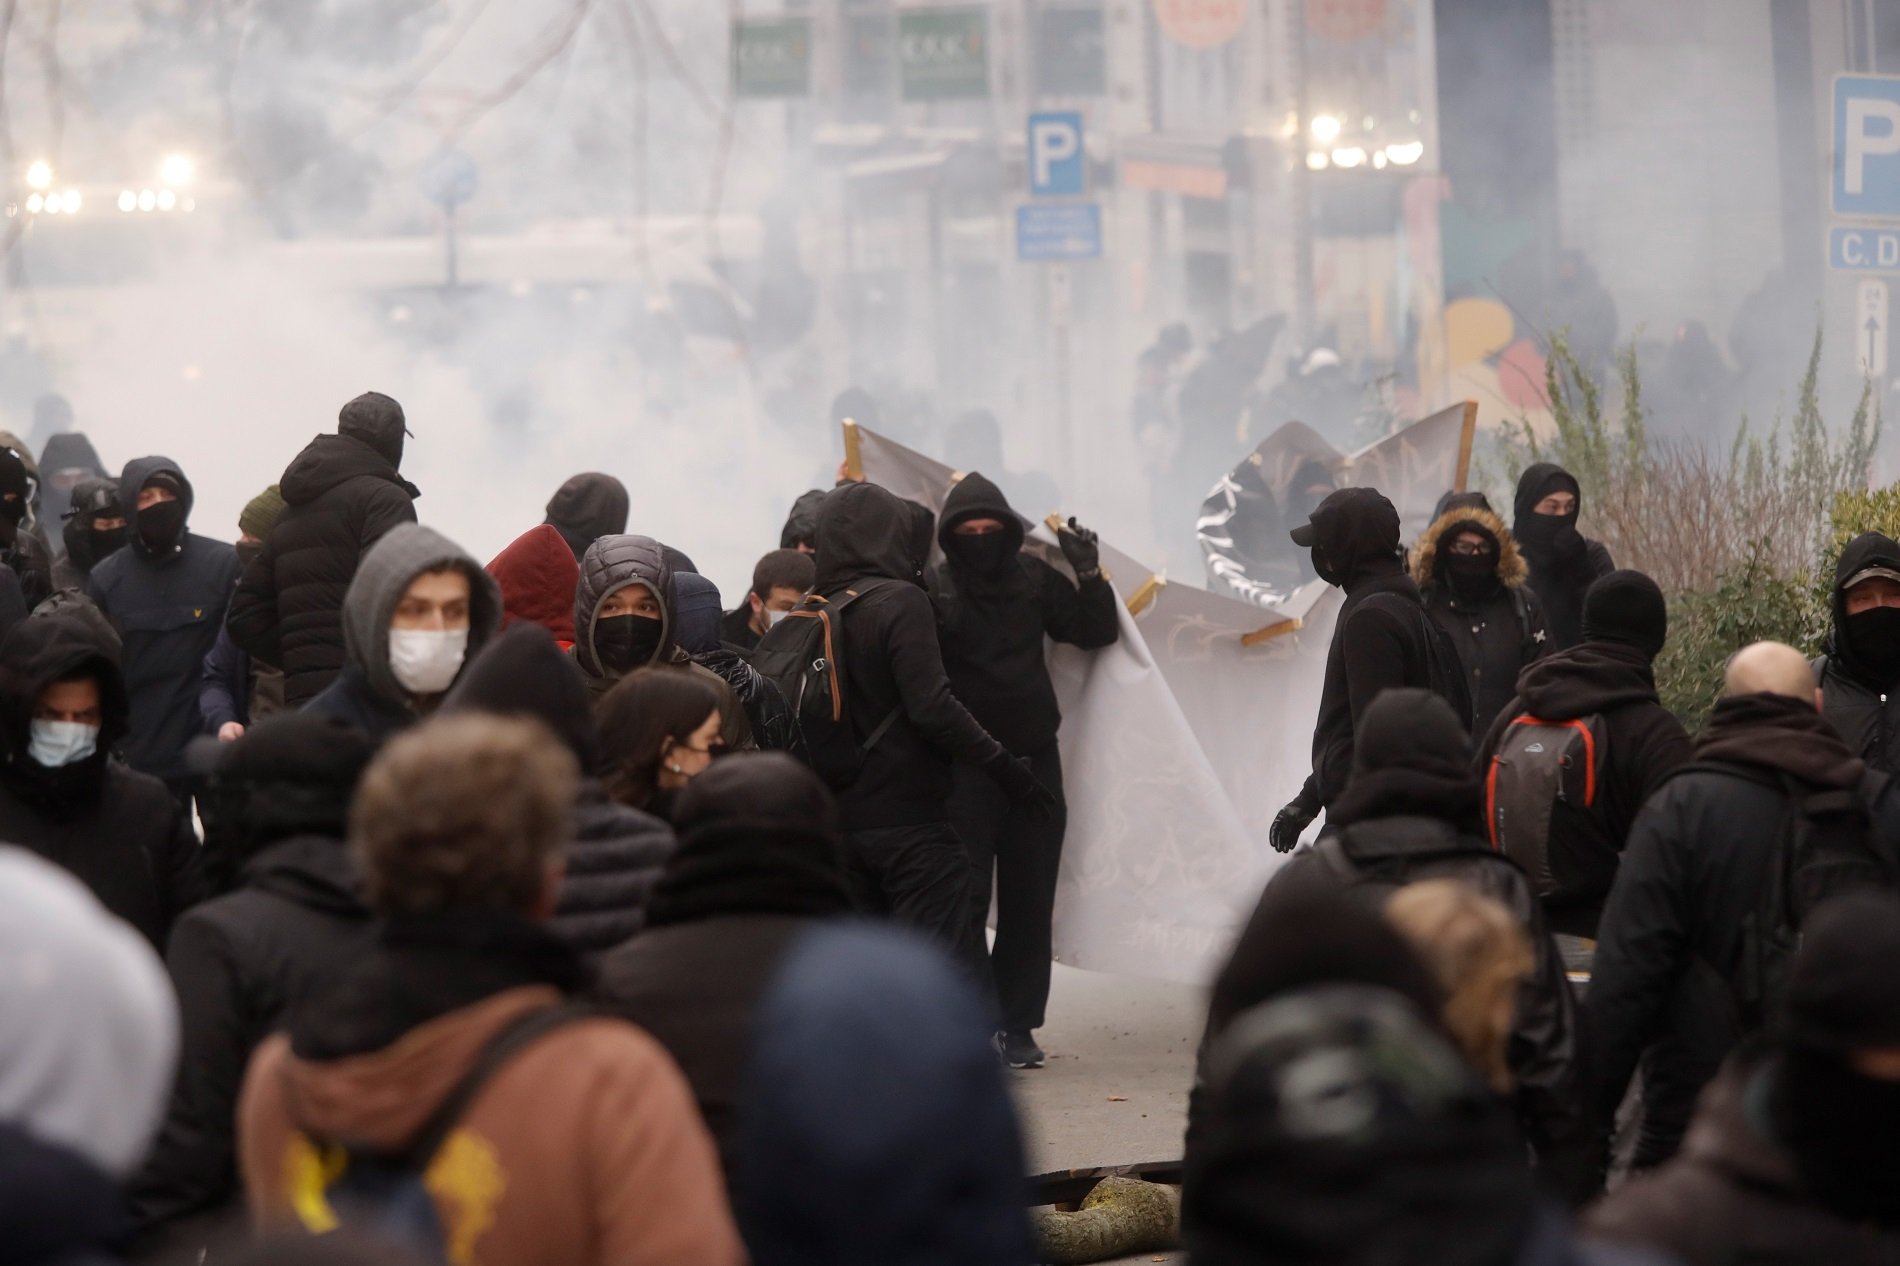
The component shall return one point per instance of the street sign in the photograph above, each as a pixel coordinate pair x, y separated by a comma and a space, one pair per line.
1870, 328
1051, 232
450, 179
771, 57
943, 53
1057, 164
1866, 250
1867, 146
1071, 50
1061, 298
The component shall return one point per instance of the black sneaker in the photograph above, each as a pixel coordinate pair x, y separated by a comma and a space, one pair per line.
1018, 1049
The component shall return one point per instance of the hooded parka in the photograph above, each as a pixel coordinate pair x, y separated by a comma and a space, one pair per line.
538, 575
586, 508
1494, 620
1563, 562
1860, 676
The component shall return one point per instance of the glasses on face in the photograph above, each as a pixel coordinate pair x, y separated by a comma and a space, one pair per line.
1468, 549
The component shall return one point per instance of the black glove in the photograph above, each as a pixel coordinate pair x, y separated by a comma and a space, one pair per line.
1289, 825
1024, 789
1080, 546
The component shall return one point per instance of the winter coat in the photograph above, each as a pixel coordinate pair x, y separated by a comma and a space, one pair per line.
224, 692
992, 626
582, 1148
892, 664
168, 611
1866, 713
1701, 857
119, 831
1645, 744
586, 508
367, 694
341, 496
537, 575
56, 1207
1732, 1195
1495, 636
32, 562
1563, 563
241, 963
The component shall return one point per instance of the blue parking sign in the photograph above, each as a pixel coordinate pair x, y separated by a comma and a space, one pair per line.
1057, 165
1867, 146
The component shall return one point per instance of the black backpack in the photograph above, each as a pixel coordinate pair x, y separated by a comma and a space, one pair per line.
804, 655
1537, 766
1827, 848
382, 1195
1444, 670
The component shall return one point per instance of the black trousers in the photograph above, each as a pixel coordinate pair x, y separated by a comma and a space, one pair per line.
918, 876
1024, 856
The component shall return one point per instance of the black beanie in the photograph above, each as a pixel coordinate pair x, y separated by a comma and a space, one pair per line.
523, 673
1626, 607
1844, 992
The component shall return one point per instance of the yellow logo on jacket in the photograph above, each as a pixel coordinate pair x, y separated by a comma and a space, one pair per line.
465, 1181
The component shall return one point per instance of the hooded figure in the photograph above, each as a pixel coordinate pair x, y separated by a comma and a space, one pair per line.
538, 575
617, 851
697, 611
801, 525
240, 963
1413, 811
368, 693
22, 552
68, 459
1472, 578
1563, 562
89, 502
1244, 524
588, 507
64, 796
1383, 639
997, 609
342, 494
90, 1042
758, 865
906, 1154
1861, 667
1608, 681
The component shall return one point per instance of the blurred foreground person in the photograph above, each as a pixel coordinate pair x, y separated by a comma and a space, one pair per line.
418, 609
586, 508
86, 1055
1478, 951
780, 582
905, 1153
94, 530
1563, 562
1472, 578
63, 793
343, 493
757, 867
445, 1061
1724, 863
538, 575
616, 852
1794, 1156
242, 962
1860, 673
658, 731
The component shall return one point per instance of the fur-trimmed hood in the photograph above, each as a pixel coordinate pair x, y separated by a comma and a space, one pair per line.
1513, 571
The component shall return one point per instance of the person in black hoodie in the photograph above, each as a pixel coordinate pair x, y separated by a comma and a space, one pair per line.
801, 524
617, 852
1413, 811
1675, 960
902, 856
64, 796
1473, 581
342, 493
588, 507
996, 608
94, 530
20, 550
1609, 683
1380, 641
1860, 672
1563, 562
242, 962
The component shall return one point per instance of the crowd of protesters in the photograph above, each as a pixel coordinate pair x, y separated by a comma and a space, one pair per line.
364, 903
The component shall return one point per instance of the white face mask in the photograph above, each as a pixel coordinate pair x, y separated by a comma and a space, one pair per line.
773, 617
57, 743
426, 661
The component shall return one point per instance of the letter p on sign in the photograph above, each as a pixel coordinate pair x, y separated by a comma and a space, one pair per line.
1056, 161
1867, 146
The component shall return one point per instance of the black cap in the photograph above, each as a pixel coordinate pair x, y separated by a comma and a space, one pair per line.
1626, 607
1844, 992
1368, 506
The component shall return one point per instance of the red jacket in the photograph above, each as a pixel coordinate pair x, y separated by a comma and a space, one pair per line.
537, 574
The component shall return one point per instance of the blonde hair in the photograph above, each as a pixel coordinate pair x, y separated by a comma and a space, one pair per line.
1480, 954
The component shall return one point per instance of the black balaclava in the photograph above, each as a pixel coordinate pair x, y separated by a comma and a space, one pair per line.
627, 642
987, 553
15, 495
1475, 577
86, 545
161, 524
1547, 539
1354, 534
1626, 607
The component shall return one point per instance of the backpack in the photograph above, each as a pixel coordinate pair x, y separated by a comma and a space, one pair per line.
382, 1195
1539, 765
803, 655
1826, 849
1444, 670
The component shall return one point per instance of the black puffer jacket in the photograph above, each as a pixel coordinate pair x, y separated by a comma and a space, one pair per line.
1563, 563
1859, 703
340, 497
120, 832
1497, 626
992, 624
801, 525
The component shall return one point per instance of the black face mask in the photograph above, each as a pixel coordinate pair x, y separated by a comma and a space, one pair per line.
1325, 570
626, 642
12, 510
1874, 637
248, 552
985, 553
1843, 1130
1472, 577
161, 524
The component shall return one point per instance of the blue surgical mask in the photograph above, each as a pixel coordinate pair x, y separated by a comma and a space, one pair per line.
57, 743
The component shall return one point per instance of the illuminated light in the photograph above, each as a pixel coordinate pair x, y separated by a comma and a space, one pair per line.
1291, 128
1405, 153
13, 210
1415, 116
70, 201
1351, 156
400, 314
1317, 161
40, 175
191, 373
50, 205
176, 170
1366, 123
167, 199
1325, 128
35, 204
1378, 160
128, 201
147, 199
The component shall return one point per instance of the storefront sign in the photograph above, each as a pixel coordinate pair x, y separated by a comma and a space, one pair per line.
1201, 24
943, 54
771, 57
